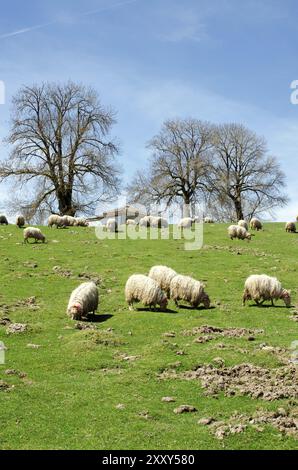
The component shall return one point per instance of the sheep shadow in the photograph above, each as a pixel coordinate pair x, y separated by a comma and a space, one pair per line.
144, 309
198, 309
269, 306
98, 318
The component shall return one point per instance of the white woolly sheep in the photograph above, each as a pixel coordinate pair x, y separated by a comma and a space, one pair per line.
186, 223
56, 220
188, 289
163, 276
68, 221
158, 222
208, 220
256, 224
146, 221
243, 223
35, 233
131, 222
290, 227
3, 220
20, 222
83, 300
142, 289
80, 222
262, 287
235, 231
112, 225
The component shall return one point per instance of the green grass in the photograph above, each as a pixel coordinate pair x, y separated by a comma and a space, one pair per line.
76, 378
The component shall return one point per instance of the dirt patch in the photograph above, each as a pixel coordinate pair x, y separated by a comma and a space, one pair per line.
5, 387
90, 277
62, 272
16, 328
15, 372
185, 409
208, 333
243, 380
4, 321
283, 420
30, 303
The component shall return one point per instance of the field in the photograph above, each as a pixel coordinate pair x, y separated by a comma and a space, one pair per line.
102, 388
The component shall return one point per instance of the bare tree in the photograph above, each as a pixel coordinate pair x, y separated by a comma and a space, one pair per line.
62, 159
244, 174
178, 167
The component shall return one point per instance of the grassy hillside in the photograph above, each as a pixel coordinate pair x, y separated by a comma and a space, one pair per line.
76, 379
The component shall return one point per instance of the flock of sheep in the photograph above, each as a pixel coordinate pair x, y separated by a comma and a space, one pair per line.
162, 282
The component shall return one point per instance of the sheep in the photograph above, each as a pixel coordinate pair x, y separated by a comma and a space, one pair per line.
20, 222
33, 232
186, 223
145, 221
112, 225
208, 220
158, 222
80, 222
256, 224
141, 288
131, 222
55, 219
262, 287
188, 289
3, 220
290, 227
68, 221
163, 276
234, 231
84, 299
243, 223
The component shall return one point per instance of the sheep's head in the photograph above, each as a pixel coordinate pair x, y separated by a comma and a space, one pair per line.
286, 296
164, 303
206, 301
76, 312
248, 236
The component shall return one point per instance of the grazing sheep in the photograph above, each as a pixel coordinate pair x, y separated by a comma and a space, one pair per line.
141, 288
3, 220
186, 223
146, 221
20, 222
188, 289
261, 288
35, 233
80, 222
234, 231
112, 225
243, 223
131, 222
68, 221
163, 276
84, 299
290, 227
256, 224
158, 222
208, 220
56, 220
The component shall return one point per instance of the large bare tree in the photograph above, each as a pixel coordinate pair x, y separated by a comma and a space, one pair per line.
244, 174
61, 158
179, 165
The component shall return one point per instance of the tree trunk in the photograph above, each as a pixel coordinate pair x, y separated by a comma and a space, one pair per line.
186, 207
65, 203
238, 209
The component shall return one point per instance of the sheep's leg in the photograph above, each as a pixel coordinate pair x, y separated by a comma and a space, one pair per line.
130, 306
272, 302
176, 303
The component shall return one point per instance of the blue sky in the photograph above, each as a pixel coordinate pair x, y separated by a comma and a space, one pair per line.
220, 60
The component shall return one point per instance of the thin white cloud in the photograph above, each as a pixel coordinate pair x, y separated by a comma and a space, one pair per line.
87, 13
